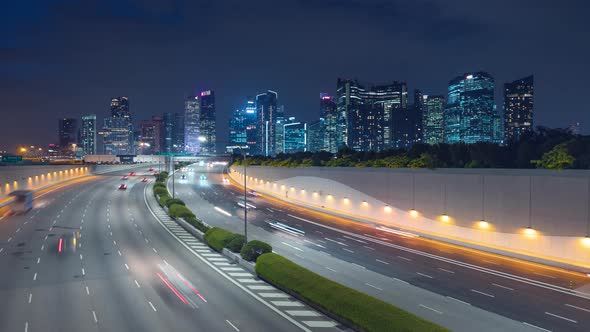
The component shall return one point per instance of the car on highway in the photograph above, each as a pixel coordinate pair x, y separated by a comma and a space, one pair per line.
203, 177
225, 180
155, 173
124, 177
151, 169
254, 193
122, 186
183, 176
131, 173
144, 180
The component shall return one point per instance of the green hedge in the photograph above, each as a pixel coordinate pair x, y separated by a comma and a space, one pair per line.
364, 311
164, 199
236, 244
175, 201
218, 238
198, 224
160, 191
253, 249
179, 211
159, 185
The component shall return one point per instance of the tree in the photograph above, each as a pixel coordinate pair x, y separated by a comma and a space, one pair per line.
557, 158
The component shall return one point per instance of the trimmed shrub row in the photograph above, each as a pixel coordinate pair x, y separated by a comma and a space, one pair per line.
254, 249
219, 238
361, 310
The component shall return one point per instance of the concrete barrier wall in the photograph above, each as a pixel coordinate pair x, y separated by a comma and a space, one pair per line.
36, 177
554, 204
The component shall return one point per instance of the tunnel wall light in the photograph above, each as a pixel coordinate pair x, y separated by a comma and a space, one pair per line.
387, 208
483, 224
413, 213
445, 218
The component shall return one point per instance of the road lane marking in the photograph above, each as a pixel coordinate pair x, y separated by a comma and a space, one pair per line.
561, 317
340, 243
319, 323
18, 230
94, 315
81, 257
536, 327
38, 260
83, 272
126, 266
425, 275
370, 248
119, 252
224, 275
359, 266
151, 305
87, 291
26, 326
482, 293
303, 313
382, 262
429, 308
351, 238
35, 276
30, 297
474, 267
287, 303
372, 286
504, 287
573, 306
42, 247
454, 299
445, 270
350, 251
288, 245
232, 325
10, 239
331, 269
399, 280
137, 284
404, 258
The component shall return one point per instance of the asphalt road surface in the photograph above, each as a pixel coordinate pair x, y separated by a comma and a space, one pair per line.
536, 297
90, 257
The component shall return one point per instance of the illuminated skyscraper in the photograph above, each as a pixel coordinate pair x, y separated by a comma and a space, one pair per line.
332, 127
433, 119
207, 123
518, 107
266, 108
192, 109
88, 140
470, 112
118, 128
315, 136
294, 136
67, 133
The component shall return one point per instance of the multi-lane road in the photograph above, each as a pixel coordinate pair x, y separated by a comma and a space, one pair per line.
383, 262
91, 257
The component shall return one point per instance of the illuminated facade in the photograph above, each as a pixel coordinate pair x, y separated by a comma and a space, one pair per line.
470, 111
207, 123
294, 136
119, 128
433, 108
332, 125
315, 136
88, 139
242, 129
192, 108
518, 108
266, 108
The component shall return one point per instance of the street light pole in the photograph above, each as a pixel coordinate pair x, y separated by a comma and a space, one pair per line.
245, 202
173, 190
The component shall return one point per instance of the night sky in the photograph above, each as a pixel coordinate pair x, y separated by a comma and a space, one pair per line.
67, 58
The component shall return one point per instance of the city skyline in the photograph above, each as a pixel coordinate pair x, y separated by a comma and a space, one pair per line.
32, 65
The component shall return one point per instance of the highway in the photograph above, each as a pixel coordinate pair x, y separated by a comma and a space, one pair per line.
384, 261
90, 257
